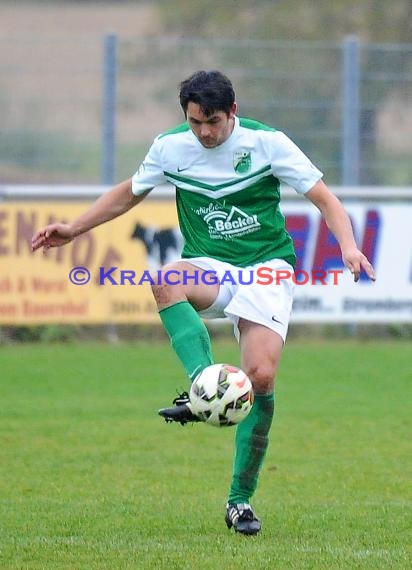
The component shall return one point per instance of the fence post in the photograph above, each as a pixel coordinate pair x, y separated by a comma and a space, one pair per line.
109, 109
108, 166
351, 113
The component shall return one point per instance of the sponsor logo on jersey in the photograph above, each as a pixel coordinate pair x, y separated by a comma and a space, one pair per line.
236, 223
242, 161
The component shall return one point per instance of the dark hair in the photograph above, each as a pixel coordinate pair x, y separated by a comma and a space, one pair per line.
211, 90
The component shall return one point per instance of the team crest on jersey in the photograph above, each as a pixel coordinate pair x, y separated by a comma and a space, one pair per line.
242, 161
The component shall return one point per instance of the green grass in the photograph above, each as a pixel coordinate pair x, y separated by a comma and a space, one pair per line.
91, 478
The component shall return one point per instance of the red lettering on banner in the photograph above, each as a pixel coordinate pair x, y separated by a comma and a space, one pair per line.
47, 286
25, 228
327, 252
6, 285
298, 226
57, 253
111, 258
4, 249
370, 238
8, 310
32, 308
83, 250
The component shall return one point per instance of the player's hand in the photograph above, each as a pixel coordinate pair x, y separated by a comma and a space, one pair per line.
356, 261
53, 235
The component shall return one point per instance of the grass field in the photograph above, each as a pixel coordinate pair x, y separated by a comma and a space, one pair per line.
91, 478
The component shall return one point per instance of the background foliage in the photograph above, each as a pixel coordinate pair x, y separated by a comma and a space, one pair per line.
372, 20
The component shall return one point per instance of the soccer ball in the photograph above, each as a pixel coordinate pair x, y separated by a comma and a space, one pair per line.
221, 395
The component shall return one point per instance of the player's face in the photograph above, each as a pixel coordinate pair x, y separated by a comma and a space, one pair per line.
213, 130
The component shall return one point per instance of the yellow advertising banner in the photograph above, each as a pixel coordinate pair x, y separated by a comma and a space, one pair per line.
101, 277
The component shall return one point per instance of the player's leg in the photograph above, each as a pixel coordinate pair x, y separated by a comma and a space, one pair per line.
261, 350
179, 294
261, 317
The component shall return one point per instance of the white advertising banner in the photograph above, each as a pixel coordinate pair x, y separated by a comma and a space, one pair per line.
383, 231
37, 289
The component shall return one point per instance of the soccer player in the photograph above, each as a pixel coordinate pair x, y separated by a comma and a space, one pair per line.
227, 172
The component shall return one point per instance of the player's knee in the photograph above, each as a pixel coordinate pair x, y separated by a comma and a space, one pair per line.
262, 376
166, 284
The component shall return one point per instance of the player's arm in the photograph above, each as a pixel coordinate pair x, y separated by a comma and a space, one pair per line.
110, 205
339, 224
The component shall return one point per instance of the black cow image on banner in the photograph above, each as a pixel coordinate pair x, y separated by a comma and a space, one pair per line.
162, 246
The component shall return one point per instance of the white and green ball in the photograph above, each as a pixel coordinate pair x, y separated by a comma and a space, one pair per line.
221, 395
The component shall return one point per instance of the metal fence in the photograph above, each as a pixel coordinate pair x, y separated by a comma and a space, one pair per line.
85, 113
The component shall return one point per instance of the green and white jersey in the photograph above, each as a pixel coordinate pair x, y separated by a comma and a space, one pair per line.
228, 197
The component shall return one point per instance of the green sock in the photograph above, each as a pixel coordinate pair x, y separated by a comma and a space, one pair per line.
188, 336
251, 442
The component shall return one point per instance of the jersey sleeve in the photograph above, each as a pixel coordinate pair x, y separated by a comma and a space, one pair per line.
150, 172
290, 165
